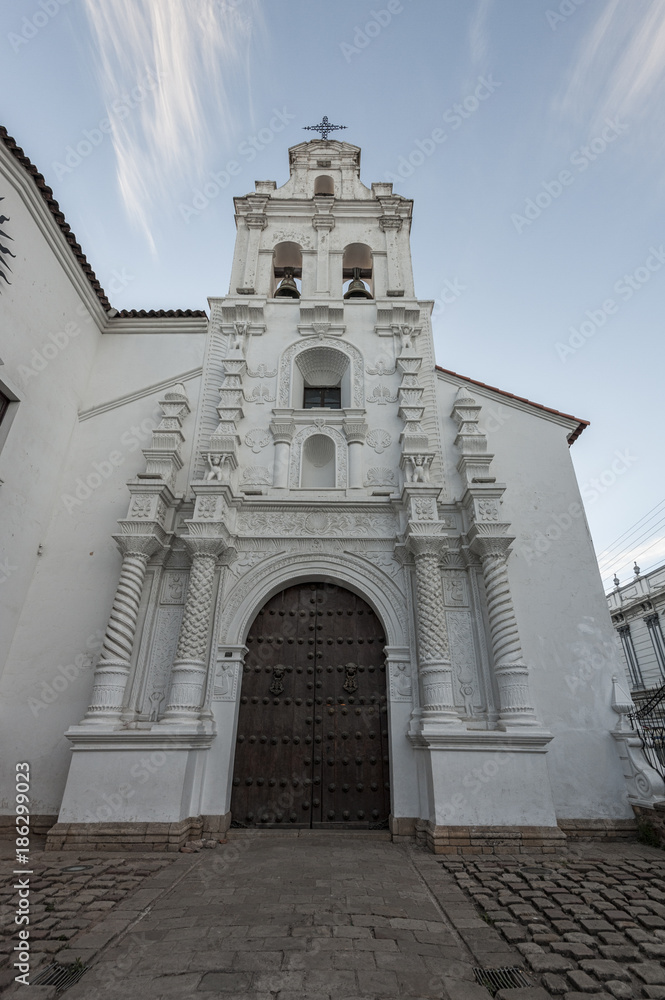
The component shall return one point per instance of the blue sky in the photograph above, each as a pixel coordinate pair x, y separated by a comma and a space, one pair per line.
529, 134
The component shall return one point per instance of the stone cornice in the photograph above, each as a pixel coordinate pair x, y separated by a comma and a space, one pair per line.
103, 739
484, 742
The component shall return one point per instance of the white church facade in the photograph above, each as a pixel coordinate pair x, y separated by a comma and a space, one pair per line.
271, 567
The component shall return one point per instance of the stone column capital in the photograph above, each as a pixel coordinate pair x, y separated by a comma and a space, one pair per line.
282, 430
427, 538
143, 546
209, 546
355, 431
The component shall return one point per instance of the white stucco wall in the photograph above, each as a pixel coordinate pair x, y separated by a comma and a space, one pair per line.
566, 632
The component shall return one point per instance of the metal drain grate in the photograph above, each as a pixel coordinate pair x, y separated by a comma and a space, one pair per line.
501, 979
60, 976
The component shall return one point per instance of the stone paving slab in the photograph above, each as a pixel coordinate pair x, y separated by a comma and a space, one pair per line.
326, 918
336, 918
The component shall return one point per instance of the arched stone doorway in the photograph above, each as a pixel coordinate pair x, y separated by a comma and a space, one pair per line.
312, 739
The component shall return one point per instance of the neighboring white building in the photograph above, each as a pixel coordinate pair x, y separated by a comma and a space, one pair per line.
350, 589
637, 609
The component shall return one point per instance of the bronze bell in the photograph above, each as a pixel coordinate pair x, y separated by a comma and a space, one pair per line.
287, 286
358, 289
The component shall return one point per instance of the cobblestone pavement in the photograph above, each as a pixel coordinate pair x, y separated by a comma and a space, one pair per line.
590, 922
344, 917
64, 906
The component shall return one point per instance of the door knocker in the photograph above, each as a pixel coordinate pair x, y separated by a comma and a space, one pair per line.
276, 687
350, 684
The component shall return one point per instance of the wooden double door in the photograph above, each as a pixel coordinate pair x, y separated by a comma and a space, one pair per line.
312, 741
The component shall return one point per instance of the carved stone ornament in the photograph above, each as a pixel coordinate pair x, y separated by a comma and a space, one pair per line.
141, 506
257, 475
380, 476
206, 508
262, 371
174, 586
379, 439
380, 368
381, 394
225, 683
257, 440
401, 687
302, 524
487, 510
260, 395
424, 508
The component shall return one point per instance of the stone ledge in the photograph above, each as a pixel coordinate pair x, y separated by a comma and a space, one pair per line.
140, 837
494, 839
598, 829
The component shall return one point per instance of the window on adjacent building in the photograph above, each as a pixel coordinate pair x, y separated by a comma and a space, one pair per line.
323, 396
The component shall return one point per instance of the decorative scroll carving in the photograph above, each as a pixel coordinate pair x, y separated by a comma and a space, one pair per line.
258, 475
262, 371
303, 523
379, 439
173, 588
257, 440
381, 394
260, 394
380, 476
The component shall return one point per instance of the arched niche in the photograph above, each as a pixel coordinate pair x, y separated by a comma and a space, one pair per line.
286, 259
357, 261
303, 473
323, 184
317, 470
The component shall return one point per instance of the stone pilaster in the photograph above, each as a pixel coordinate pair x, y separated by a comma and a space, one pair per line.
188, 674
324, 223
255, 221
222, 454
163, 459
113, 667
510, 670
391, 226
427, 542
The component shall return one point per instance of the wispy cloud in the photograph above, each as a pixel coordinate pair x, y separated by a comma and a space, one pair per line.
619, 69
648, 555
198, 51
479, 34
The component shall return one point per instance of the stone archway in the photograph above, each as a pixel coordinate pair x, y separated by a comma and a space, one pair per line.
312, 740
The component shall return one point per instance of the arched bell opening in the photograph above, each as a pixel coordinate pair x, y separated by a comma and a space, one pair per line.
357, 272
323, 184
287, 271
312, 739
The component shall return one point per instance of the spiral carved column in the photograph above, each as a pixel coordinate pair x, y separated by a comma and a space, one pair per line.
434, 663
188, 675
113, 667
510, 670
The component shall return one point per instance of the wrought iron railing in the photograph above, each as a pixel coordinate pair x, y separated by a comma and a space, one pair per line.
649, 722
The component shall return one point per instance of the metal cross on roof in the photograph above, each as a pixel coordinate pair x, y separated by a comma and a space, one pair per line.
324, 127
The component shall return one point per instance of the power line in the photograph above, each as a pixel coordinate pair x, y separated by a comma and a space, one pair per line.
616, 556
630, 530
623, 566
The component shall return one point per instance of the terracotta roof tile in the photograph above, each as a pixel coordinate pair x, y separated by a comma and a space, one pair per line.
152, 313
47, 194
581, 424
